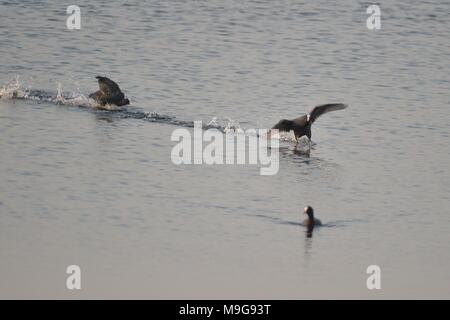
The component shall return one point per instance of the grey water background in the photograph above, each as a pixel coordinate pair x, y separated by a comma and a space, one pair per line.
83, 187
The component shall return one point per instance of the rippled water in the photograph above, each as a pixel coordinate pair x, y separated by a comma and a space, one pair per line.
98, 189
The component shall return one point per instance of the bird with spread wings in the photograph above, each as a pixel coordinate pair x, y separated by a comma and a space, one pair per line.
302, 125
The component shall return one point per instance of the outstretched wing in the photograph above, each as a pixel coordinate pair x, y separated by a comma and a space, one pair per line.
324, 108
107, 86
283, 125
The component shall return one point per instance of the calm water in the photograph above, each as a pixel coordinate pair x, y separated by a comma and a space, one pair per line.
96, 189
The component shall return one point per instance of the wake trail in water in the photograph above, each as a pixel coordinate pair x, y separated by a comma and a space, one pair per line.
13, 90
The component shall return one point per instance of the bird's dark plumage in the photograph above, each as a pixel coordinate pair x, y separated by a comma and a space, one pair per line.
109, 93
311, 221
302, 125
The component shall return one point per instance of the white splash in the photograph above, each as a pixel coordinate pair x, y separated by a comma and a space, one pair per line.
59, 96
213, 123
11, 90
233, 126
304, 144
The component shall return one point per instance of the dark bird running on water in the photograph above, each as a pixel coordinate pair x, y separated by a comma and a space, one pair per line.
302, 125
109, 93
311, 221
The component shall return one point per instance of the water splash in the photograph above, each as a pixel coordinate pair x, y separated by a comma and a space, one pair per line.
213, 123
233, 126
304, 145
11, 89
229, 125
59, 96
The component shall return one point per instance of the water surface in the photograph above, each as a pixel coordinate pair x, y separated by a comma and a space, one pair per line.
88, 187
